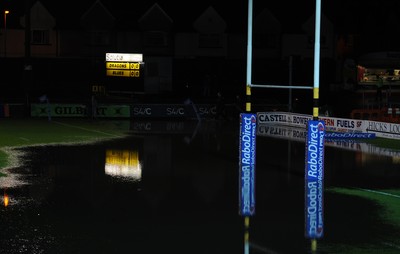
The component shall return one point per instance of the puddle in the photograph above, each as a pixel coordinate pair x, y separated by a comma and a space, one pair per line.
173, 187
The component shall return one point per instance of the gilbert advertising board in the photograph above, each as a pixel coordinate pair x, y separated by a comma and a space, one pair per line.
247, 151
314, 179
117, 111
58, 110
78, 110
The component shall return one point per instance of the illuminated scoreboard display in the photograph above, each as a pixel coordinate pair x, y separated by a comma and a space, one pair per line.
123, 65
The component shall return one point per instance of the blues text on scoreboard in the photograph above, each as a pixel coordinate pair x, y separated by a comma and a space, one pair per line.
124, 73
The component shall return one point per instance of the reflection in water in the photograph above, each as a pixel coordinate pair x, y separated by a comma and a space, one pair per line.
186, 200
5, 199
180, 190
246, 235
299, 134
123, 163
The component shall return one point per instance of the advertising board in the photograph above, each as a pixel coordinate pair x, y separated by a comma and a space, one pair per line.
314, 179
247, 162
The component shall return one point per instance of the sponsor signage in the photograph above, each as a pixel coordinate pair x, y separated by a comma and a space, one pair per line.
173, 110
247, 151
207, 110
285, 132
120, 57
301, 120
299, 134
332, 124
349, 135
110, 111
170, 127
383, 129
62, 110
159, 110
283, 118
314, 179
78, 110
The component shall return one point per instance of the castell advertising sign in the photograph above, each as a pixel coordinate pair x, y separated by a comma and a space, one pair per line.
314, 180
247, 151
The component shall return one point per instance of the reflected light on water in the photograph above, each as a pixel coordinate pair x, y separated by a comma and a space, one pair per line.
396, 160
5, 199
246, 235
123, 163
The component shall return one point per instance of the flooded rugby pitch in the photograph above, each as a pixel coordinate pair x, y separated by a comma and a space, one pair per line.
172, 187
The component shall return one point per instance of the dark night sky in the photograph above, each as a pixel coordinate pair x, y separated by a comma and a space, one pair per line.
348, 15
373, 18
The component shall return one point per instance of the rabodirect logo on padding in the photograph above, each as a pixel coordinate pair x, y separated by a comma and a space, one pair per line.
345, 135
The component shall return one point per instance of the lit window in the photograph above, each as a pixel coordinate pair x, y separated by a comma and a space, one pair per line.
40, 37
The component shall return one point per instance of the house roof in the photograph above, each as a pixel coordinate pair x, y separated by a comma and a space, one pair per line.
44, 19
68, 14
98, 16
160, 19
210, 21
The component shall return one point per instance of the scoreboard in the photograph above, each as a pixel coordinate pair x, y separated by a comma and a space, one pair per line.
123, 65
